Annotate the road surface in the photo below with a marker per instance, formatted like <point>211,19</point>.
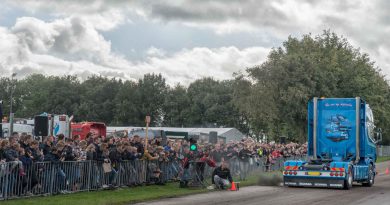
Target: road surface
<point>379,194</point>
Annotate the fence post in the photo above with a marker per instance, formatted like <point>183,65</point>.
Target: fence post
<point>53,178</point>
<point>89,175</point>
<point>6,176</point>
<point>144,170</point>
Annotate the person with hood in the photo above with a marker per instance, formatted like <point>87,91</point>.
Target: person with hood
<point>11,154</point>
<point>221,176</point>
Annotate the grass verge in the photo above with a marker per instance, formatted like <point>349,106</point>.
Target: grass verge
<point>383,159</point>
<point>109,197</point>
<point>118,196</point>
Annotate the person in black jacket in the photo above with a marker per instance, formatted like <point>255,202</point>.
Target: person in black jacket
<point>56,156</point>
<point>36,156</point>
<point>47,145</point>
<point>2,153</point>
<point>244,156</point>
<point>115,157</point>
<point>91,152</point>
<point>221,176</point>
<point>68,153</point>
<point>138,144</point>
<point>11,154</point>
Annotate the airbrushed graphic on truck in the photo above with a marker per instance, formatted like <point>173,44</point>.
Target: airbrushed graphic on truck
<point>337,128</point>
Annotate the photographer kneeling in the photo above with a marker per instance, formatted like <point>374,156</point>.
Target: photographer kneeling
<point>221,176</point>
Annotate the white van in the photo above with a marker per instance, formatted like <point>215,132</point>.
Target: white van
<point>20,128</point>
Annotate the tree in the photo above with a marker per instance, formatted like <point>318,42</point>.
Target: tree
<point>245,95</point>
<point>151,94</point>
<point>325,65</point>
<point>212,104</point>
<point>37,94</point>
<point>5,94</point>
<point>126,109</point>
<point>176,107</point>
<point>98,99</point>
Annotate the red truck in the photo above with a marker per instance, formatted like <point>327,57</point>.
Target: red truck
<point>83,128</point>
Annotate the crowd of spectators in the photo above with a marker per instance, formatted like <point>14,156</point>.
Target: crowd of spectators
<point>23,150</point>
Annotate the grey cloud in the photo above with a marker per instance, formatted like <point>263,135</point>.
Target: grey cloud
<point>333,20</point>
<point>44,53</point>
<point>365,23</point>
<point>33,33</point>
<point>382,10</point>
<point>59,7</point>
<point>85,74</point>
<point>71,39</point>
<point>25,70</point>
<point>113,74</point>
<point>69,36</point>
<point>185,12</point>
<point>259,13</point>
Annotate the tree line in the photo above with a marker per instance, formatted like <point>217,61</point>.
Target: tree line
<point>205,102</point>
<point>266,100</point>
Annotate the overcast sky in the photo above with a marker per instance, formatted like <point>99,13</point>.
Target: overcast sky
<point>182,39</point>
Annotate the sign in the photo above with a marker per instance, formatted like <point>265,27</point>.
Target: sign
<point>314,173</point>
<point>61,125</point>
<point>147,119</point>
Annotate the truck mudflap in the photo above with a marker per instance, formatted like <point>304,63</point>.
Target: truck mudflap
<point>313,182</point>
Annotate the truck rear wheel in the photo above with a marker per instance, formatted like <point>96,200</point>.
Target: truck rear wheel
<point>371,177</point>
<point>348,182</point>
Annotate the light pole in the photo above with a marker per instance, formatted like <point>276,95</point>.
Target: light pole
<point>11,114</point>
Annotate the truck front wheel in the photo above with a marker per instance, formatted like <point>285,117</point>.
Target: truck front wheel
<point>348,182</point>
<point>371,177</point>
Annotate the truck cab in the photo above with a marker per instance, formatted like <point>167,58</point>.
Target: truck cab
<point>83,128</point>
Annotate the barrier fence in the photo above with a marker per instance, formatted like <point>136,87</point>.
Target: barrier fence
<point>47,178</point>
<point>383,151</point>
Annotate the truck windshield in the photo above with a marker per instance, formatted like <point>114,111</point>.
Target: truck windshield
<point>370,123</point>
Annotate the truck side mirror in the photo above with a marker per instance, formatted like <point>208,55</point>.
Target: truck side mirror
<point>378,135</point>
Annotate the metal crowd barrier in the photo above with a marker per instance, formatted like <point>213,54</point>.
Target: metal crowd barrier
<point>46,178</point>
<point>383,151</point>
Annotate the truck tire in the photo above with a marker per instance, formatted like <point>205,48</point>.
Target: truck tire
<point>371,177</point>
<point>348,182</point>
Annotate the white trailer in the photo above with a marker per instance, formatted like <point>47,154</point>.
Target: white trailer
<point>19,128</point>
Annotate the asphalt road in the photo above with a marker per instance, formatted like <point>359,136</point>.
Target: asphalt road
<point>379,194</point>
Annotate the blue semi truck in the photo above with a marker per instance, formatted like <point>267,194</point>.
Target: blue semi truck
<point>341,146</point>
